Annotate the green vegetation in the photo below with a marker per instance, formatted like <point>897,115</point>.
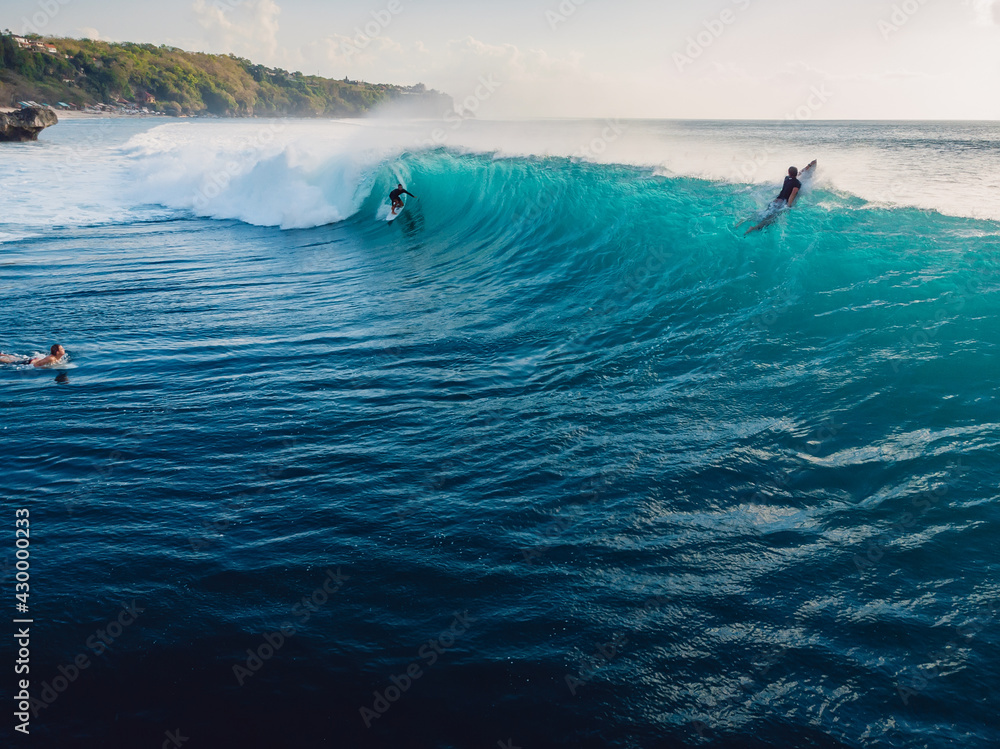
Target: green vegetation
<point>170,80</point>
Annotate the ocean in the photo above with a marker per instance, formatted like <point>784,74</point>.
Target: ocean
<point>558,458</point>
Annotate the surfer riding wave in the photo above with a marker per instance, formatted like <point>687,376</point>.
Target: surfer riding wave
<point>397,200</point>
<point>786,199</point>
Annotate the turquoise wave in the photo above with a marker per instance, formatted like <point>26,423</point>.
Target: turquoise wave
<point>604,240</point>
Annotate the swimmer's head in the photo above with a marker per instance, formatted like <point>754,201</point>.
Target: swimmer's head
<point>57,351</point>
<point>793,172</point>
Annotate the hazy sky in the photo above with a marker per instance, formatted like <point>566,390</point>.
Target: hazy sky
<point>825,59</point>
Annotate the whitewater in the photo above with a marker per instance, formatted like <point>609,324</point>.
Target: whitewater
<point>632,478</point>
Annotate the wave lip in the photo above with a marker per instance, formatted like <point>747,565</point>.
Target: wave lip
<point>300,174</point>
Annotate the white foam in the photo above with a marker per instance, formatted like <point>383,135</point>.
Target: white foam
<point>14,236</point>
<point>292,175</point>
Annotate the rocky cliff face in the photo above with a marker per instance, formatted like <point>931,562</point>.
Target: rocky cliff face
<point>25,124</point>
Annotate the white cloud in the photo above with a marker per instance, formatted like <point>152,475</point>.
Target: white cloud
<point>246,27</point>
<point>88,32</point>
<point>530,80</point>
<point>508,60</point>
<point>987,12</point>
<point>341,54</point>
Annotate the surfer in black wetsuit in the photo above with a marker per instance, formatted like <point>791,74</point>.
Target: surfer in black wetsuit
<point>396,197</point>
<point>787,197</point>
<point>790,190</point>
<point>56,353</point>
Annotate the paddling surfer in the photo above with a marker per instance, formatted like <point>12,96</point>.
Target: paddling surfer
<point>397,200</point>
<point>786,199</point>
<point>56,354</point>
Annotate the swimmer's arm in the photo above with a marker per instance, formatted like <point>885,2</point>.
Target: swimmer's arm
<point>793,196</point>
<point>44,361</point>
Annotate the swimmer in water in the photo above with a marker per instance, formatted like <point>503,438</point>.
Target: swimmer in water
<point>56,354</point>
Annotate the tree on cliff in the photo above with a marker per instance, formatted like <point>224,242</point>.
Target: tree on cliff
<point>88,71</point>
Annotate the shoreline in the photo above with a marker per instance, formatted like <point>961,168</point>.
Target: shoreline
<point>72,114</point>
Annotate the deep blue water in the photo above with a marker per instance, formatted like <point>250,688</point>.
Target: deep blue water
<point>639,481</point>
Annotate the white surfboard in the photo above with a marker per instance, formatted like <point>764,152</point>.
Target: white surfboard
<point>393,216</point>
<point>808,171</point>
